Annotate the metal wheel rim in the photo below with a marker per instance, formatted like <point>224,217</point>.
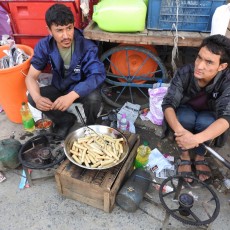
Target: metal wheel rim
<point>131,86</point>
<point>179,218</point>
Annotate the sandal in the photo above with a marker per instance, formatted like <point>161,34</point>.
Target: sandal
<point>203,172</point>
<point>184,173</point>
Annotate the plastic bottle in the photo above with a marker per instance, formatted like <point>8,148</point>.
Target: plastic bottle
<point>143,152</point>
<point>123,123</point>
<point>27,118</point>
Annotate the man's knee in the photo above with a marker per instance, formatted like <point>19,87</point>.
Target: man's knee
<point>187,122</point>
<point>204,120</point>
<point>94,98</point>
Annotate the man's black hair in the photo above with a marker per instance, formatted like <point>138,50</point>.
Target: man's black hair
<point>59,14</point>
<point>219,45</point>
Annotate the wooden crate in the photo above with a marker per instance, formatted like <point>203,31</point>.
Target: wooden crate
<point>97,188</point>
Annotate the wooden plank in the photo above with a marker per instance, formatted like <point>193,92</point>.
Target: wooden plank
<point>192,39</point>
<point>153,37</point>
<point>97,203</point>
<point>60,170</point>
<point>107,203</point>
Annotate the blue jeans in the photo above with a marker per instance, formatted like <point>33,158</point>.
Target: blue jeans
<point>195,122</point>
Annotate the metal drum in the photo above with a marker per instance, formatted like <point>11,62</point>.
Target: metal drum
<point>131,194</point>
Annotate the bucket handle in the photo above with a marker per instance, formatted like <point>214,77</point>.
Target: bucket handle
<point>23,73</point>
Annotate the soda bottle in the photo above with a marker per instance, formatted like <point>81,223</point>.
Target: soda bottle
<point>27,118</point>
<point>143,152</point>
<point>123,123</point>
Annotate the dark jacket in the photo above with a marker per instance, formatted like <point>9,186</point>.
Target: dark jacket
<point>85,73</point>
<point>184,87</point>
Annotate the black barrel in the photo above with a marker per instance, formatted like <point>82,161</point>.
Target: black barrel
<point>132,192</point>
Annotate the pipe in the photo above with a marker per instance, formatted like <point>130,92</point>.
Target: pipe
<point>218,156</point>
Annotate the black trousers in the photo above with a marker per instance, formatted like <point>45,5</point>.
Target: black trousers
<point>91,105</point>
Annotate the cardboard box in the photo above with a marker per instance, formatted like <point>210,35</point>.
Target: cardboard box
<point>97,188</point>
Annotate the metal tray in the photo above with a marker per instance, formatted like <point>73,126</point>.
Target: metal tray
<point>100,129</point>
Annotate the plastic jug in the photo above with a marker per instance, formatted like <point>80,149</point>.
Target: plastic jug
<point>120,15</point>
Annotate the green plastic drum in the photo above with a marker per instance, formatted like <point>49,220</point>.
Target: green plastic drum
<point>120,15</point>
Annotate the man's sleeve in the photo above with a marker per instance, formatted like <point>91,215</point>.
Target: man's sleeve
<point>40,57</point>
<point>174,93</point>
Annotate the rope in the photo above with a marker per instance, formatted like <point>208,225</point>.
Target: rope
<point>175,42</point>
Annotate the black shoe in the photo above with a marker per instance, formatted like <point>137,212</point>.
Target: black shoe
<point>62,129</point>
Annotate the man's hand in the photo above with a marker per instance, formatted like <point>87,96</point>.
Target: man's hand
<point>186,140</point>
<point>61,103</point>
<point>44,104</point>
<point>64,102</point>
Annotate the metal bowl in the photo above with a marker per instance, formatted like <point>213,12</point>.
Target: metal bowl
<point>44,125</point>
<point>99,129</point>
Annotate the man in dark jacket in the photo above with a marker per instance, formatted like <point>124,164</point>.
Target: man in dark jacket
<point>77,71</point>
<point>197,104</point>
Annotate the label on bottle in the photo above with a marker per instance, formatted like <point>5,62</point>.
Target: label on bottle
<point>138,164</point>
<point>28,124</point>
<point>123,124</point>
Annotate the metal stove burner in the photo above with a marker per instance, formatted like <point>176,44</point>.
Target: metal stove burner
<point>42,152</point>
<point>186,202</point>
<point>45,155</point>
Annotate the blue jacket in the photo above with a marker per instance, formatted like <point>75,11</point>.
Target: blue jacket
<point>86,72</point>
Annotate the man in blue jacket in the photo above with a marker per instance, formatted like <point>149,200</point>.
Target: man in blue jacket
<point>77,71</point>
<point>197,104</point>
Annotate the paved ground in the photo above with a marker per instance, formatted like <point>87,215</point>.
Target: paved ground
<point>42,207</point>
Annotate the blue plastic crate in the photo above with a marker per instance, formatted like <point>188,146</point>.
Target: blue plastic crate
<point>193,15</point>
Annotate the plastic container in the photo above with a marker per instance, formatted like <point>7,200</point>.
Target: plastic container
<point>142,157</point>
<point>120,15</point>
<point>12,85</point>
<point>27,118</point>
<point>128,63</point>
<point>44,125</point>
<point>123,123</point>
<point>195,15</point>
<point>28,18</point>
<point>9,149</point>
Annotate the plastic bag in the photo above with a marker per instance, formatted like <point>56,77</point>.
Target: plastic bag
<point>155,100</point>
<point>157,162</point>
<point>220,20</point>
<point>85,7</point>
